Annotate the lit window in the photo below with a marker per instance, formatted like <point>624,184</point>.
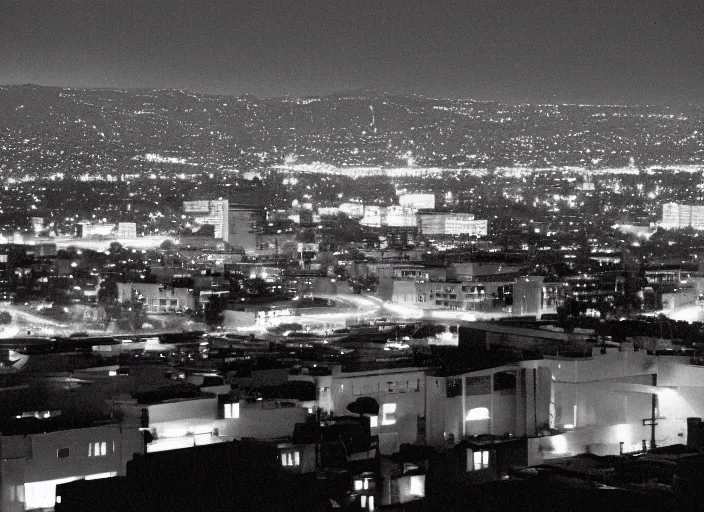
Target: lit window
<point>477,460</point>
<point>373,421</point>
<point>388,414</point>
<point>417,487</point>
<point>364,501</point>
<point>97,449</point>
<point>357,485</point>
<point>291,459</point>
<point>371,504</point>
<point>232,411</point>
<point>478,413</point>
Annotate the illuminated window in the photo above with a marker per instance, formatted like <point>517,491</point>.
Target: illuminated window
<point>232,411</point>
<point>364,501</point>
<point>62,453</point>
<point>357,485</point>
<point>478,413</point>
<point>370,504</point>
<point>292,459</point>
<point>477,459</point>
<point>373,421</point>
<point>97,449</point>
<point>417,487</point>
<point>388,414</point>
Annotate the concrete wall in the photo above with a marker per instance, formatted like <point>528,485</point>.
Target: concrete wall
<point>260,423</point>
<point>436,403</point>
<point>170,411</point>
<point>596,440</point>
<point>613,364</point>
<point>606,402</point>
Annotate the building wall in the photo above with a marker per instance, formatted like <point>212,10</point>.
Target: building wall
<point>528,296</point>
<point>243,222</point>
<point>171,411</point>
<point>677,216</point>
<point>679,299</point>
<point>401,217</point>
<point>263,423</point>
<point>406,292</point>
<point>405,389</point>
<point>213,213</point>
<point>431,224</point>
<point>602,440</point>
<point>436,423</point>
<point>126,230</point>
<point>31,465</point>
<point>419,201</point>
<point>478,404</point>
<point>465,224</point>
<point>374,216</point>
<point>613,364</point>
<point>353,210</point>
<point>681,398</point>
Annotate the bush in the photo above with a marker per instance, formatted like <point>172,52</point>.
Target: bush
<point>5,318</point>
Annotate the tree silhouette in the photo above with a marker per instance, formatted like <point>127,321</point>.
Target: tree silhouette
<point>364,405</point>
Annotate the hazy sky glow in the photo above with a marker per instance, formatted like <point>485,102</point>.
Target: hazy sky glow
<point>590,51</point>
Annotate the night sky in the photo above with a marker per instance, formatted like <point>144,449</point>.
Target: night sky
<point>586,51</point>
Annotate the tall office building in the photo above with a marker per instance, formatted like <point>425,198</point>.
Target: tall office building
<point>678,216</point>
<point>400,217</point>
<point>453,224</point>
<point>697,218</point>
<point>210,213</point>
<point>244,223</point>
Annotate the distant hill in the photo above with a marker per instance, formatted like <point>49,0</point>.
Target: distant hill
<point>46,130</point>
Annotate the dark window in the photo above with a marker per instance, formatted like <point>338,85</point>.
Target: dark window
<point>504,381</point>
<point>454,387</point>
<point>62,453</point>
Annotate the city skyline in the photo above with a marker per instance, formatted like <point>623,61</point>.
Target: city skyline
<point>351,255</point>
<point>596,52</point>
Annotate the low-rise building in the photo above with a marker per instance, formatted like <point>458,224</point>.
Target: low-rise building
<point>399,392</point>
<point>157,298</point>
<point>451,224</point>
<point>39,454</point>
